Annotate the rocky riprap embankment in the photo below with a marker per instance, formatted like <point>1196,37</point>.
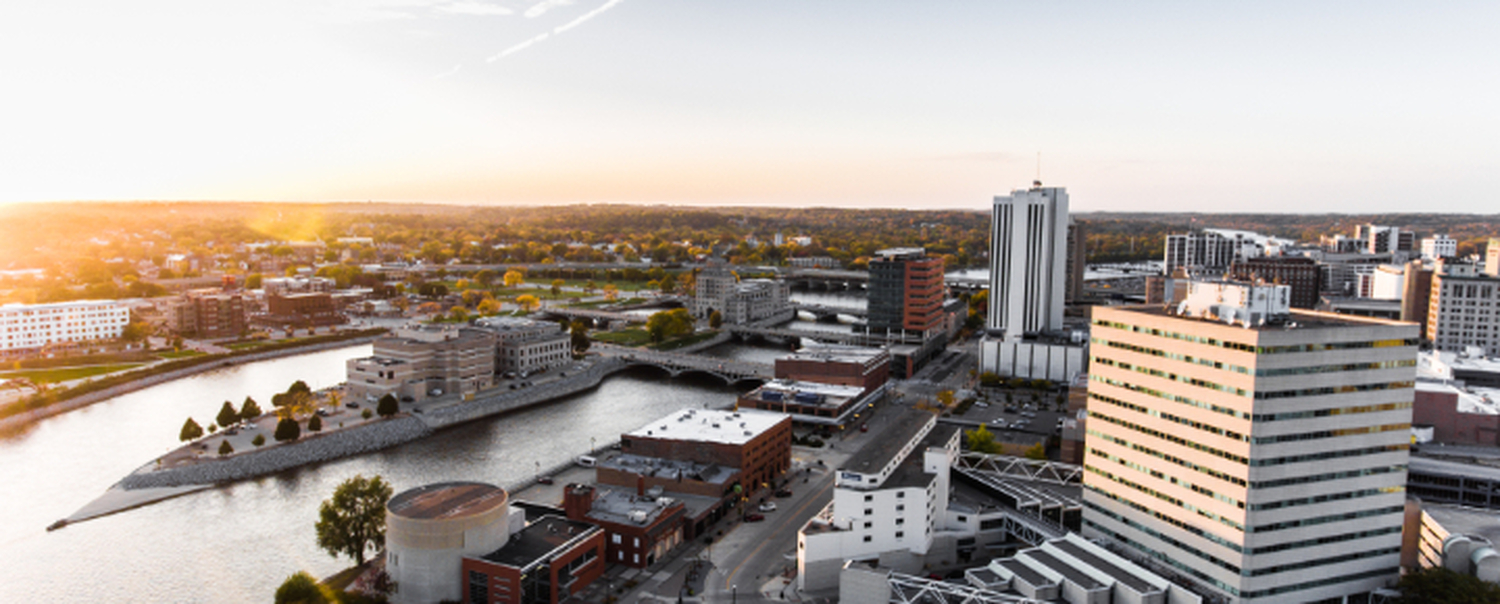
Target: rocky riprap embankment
<point>310,449</point>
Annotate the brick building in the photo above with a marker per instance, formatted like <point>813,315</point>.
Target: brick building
<point>638,528</point>
<point>1300,273</point>
<point>299,311</point>
<point>866,368</point>
<point>758,443</point>
<point>548,561</point>
<point>209,313</point>
<point>1457,416</point>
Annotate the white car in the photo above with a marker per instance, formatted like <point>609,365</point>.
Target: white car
<point>768,506</point>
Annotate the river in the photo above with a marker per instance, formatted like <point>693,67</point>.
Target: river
<point>238,543</point>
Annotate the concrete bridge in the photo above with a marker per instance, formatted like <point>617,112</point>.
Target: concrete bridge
<point>675,364</point>
<point>827,313</point>
<point>746,332</point>
<point>600,317</point>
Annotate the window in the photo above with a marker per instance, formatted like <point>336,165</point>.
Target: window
<point>900,521</point>
<point>868,538</point>
<point>900,508</point>
<point>869,524</point>
<point>869,511</point>
<point>900,494</point>
<point>869,498</point>
<point>900,534</point>
<point>637,541</point>
<point>616,538</point>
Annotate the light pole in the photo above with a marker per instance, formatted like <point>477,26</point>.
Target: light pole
<point>591,444</point>
<point>734,595</point>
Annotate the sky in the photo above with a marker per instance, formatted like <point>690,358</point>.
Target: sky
<point>1133,106</point>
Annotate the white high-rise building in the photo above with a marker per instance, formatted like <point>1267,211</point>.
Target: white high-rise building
<point>1028,255</point>
<point>28,328</point>
<point>1439,246</point>
<point>1028,275</point>
<point>1259,451</point>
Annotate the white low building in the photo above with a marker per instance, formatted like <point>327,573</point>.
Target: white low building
<point>28,328</point>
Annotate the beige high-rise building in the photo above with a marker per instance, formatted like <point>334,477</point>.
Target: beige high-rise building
<point>1256,450</point>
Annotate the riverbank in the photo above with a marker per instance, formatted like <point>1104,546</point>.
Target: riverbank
<point>195,366</point>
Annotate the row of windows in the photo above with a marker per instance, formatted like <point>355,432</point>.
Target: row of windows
<point>1172,479</point>
<point>1172,355</point>
<point>1316,347</point>
<point>1211,429</point>
<point>1169,396</point>
<point>1286,503</point>
<point>1272,417</point>
<point>1284,482</point>
<point>1192,381</point>
<point>1301,436</point>
<point>1276,461</point>
<point>1308,370</point>
<point>1167,498</point>
<point>1279,526</point>
<point>1234,545</point>
<point>1275,394</point>
<point>1170,438</point>
<point>1171,458</point>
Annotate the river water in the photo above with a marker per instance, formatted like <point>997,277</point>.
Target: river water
<point>238,543</point>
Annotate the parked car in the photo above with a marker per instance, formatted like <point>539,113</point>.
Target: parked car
<point>352,405</point>
<point>754,517</point>
<point>864,427</point>
<point>784,493</point>
<point>544,480</point>
<point>767,506</point>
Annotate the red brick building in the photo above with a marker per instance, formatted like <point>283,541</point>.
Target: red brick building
<point>638,529</point>
<point>1455,416</point>
<point>300,310</point>
<point>548,561</point>
<point>867,368</point>
<point>758,443</point>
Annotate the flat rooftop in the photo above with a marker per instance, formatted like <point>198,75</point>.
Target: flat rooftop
<point>619,505</point>
<point>911,473</point>
<point>898,432</point>
<point>539,540</point>
<point>447,500</point>
<point>1464,520</point>
<point>1428,465</point>
<point>835,353</point>
<point>674,469</point>
<point>1298,318</point>
<point>711,426</point>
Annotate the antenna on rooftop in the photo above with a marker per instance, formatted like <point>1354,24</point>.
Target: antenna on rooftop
<point>1038,182</point>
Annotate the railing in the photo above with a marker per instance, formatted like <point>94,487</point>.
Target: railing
<point>906,589</point>
<point>1021,468</point>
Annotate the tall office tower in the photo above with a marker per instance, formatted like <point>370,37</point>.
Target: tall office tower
<point>1258,450</point>
<point>1077,259</point>
<point>906,290</point>
<point>1463,308</point>
<point>1439,246</point>
<point>1028,254</point>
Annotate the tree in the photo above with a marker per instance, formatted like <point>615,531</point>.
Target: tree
<point>260,439</point>
<point>669,324</point>
<point>485,277</point>
<point>315,424</point>
<point>981,440</point>
<point>353,520</point>
<point>387,406</point>
<point>611,292</point>
<point>1439,585</point>
<point>557,285</point>
<point>528,302</point>
<point>1037,452</point>
<point>715,319</point>
<point>946,398</point>
<point>227,415</point>
<point>580,336</point>
<point>287,430</point>
<point>488,306</point>
<point>190,431</point>
<point>513,278</point>
<point>135,331</point>
<point>250,410</point>
<point>302,588</point>
<point>225,448</point>
<point>253,281</point>
<point>299,386</point>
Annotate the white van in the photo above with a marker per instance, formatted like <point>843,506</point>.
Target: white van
<point>587,461</point>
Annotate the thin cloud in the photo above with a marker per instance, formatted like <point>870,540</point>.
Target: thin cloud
<point>555,31</point>
<point>544,6</point>
<point>448,73</point>
<point>474,7</point>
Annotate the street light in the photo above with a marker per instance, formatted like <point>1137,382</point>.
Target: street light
<point>591,444</point>
<point>734,595</point>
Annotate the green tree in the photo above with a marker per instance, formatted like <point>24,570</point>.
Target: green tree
<point>715,319</point>
<point>287,430</point>
<point>250,410</point>
<point>579,333</point>
<point>353,520</point>
<point>299,386</point>
<point>302,588</point>
<point>485,277</point>
<point>557,285</point>
<point>1037,452</point>
<point>945,397</point>
<point>227,415</point>
<point>190,431</point>
<point>981,440</point>
<point>669,324</point>
<point>253,281</point>
<point>136,331</point>
<point>225,448</point>
<point>315,424</point>
<point>1439,585</point>
<point>260,439</point>
<point>387,406</point>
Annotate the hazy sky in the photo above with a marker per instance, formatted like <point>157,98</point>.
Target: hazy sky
<point>1214,106</point>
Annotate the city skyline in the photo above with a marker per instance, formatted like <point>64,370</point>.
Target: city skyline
<point>1156,107</point>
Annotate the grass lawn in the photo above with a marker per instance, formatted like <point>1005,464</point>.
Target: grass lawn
<point>53,376</point>
<point>180,354</point>
<point>633,336</point>
<point>254,344</point>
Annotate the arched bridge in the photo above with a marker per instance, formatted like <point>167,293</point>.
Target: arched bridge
<point>676,364</point>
